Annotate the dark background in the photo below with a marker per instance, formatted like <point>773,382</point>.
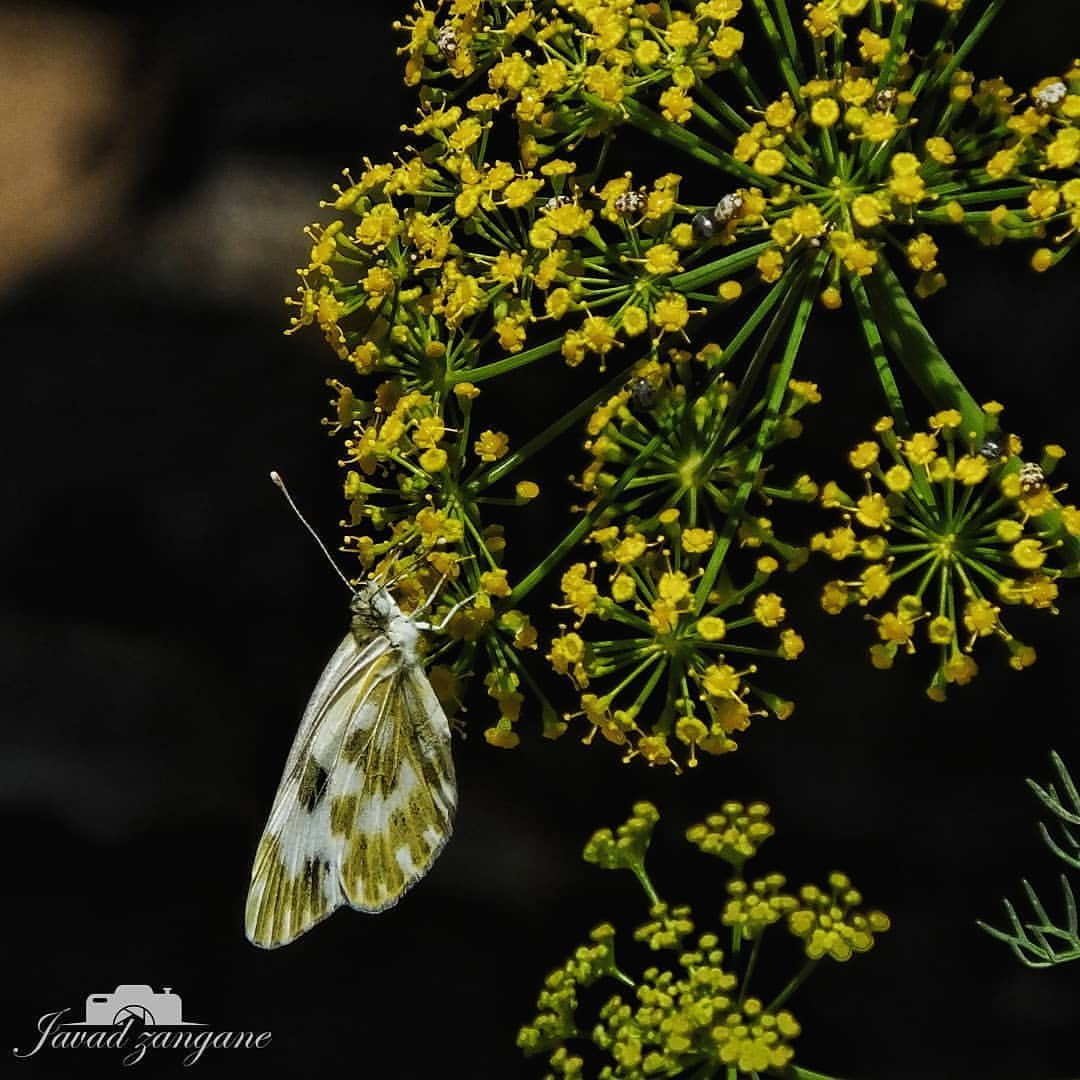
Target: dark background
<point>162,618</point>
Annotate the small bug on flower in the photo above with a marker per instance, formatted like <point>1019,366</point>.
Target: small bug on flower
<point>1032,478</point>
<point>704,225</point>
<point>728,208</point>
<point>446,41</point>
<point>629,202</point>
<point>990,449</point>
<point>816,241</point>
<point>556,201</point>
<point>1050,95</point>
<point>642,394</point>
<point>885,99</point>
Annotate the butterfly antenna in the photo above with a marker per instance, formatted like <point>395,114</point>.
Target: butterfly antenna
<point>276,478</point>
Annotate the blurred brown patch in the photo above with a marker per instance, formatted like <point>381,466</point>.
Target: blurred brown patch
<point>66,138</point>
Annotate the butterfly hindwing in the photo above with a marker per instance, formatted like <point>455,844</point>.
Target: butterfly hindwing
<point>367,798</point>
<point>393,794</point>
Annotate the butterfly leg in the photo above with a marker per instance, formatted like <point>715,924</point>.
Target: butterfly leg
<point>440,626</point>
<point>430,599</point>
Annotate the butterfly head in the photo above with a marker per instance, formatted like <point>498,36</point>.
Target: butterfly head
<point>375,612</point>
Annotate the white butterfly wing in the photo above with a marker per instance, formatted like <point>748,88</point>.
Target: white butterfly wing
<point>393,792</point>
<point>367,798</point>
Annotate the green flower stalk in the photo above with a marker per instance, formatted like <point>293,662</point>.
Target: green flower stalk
<point>500,246</point>
<point>690,1012</point>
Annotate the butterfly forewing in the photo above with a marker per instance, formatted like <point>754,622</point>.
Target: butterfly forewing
<point>368,794</point>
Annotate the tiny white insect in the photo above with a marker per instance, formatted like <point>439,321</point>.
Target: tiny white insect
<point>729,206</point>
<point>556,201</point>
<point>1050,95</point>
<point>366,802</point>
<point>446,41</point>
<point>885,99</point>
<point>1032,477</point>
<point>629,202</point>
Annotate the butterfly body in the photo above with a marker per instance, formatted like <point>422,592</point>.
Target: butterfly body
<point>368,795</point>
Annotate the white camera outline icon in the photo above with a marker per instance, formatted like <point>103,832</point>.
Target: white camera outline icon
<point>135,1002</point>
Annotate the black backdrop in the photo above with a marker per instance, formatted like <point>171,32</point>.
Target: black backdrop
<point>162,621</point>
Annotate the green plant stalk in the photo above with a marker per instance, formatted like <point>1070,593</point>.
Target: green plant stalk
<point>897,40</point>
<point>912,345</point>
<point>768,422</point>
<point>578,532</point>
<point>553,431</point>
<point>783,58</point>
<point>748,327</point>
<point>888,383</point>
<point>800,977</point>
<point>655,125</point>
<point>968,43</point>
<point>646,884</point>
<point>718,268</point>
<point>501,367</point>
<point>876,346</point>
<point>788,287</point>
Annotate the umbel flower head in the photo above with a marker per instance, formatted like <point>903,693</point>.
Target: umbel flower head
<point>502,247</point>
<point>868,145</point>
<point>950,532</point>
<point>454,257</point>
<point>664,647</point>
<point>661,662</point>
<point>690,1011</point>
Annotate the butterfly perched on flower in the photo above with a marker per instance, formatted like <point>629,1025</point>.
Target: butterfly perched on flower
<point>367,799</point>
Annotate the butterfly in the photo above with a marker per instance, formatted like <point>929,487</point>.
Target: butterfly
<point>367,799</point>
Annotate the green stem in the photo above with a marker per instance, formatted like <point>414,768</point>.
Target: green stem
<point>646,884</point>
<point>877,353</point>
<point>501,367</point>
<point>718,268</point>
<point>538,442</point>
<point>912,344</point>
<point>897,39</point>
<point>792,986</point>
<point>745,331</point>
<point>969,43</point>
<point>744,982</point>
<point>655,125</point>
<point>768,422</point>
<point>783,58</point>
<point>788,287</point>
<point>578,532</point>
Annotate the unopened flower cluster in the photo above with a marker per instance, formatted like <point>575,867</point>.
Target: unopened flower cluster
<point>691,1006</point>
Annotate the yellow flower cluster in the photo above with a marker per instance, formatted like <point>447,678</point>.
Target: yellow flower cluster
<point>626,847</point>
<point>694,475</point>
<point>464,260</point>
<point>695,1011</point>
<point>831,923</point>
<point>565,70</point>
<point>950,531</point>
<point>683,669</point>
<point>873,143</point>
<point>734,834</point>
